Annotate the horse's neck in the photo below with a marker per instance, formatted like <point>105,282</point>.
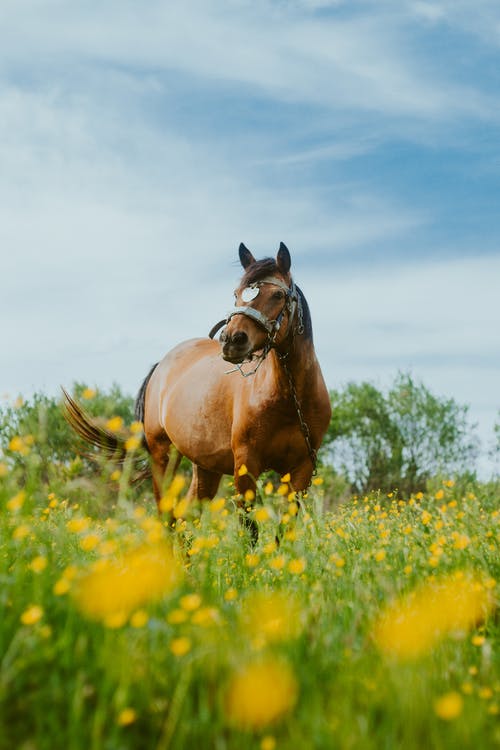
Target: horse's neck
<point>299,365</point>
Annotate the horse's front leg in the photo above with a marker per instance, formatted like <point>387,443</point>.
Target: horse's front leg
<point>204,484</point>
<point>300,477</point>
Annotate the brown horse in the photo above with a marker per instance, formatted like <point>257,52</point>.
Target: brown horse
<point>269,411</point>
<point>274,418</point>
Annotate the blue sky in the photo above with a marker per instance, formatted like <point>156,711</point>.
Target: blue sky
<point>141,142</point>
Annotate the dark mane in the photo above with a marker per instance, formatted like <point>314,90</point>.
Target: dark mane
<point>267,267</point>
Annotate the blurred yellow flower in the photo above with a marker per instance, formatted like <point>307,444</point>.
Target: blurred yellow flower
<point>114,424</point>
<point>126,716</point>
<point>139,618</point>
<point>317,481</point>
<point>4,469</point>
<point>190,602</point>
<point>115,586</point>
<point>132,443</point>
<point>21,531</point>
<point>286,478</point>
<point>262,514</point>
<point>297,566</point>
<point>38,564</point>
<point>242,470</point>
<point>412,625</point>
<point>89,542</point>
<point>18,445</point>
<point>449,706</point>
<point>16,503</point>
<point>76,525</point>
<point>32,615</point>
<point>260,693</point>
<point>439,495</point>
<point>136,428</point>
<point>271,616</point>
<point>61,586</point>
<point>180,646</point>
<point>88,393</point>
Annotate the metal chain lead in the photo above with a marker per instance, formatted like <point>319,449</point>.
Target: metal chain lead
<point>313,454</point>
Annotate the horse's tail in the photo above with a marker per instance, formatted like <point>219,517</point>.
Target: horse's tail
<point>111,444</point>
<point>141,399</point>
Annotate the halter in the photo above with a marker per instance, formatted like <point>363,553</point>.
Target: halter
<point>272,327</point>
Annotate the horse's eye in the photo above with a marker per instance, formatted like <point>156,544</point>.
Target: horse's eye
<point>278,295</point>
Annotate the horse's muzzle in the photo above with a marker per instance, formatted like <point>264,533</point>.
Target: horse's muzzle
<point>236,348</point>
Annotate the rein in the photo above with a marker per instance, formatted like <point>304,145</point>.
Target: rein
<point>293,306</point>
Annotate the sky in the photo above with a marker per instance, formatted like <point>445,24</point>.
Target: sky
<point>140,143</point>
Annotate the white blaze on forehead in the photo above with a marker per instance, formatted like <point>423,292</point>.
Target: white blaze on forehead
<point>249,293</point>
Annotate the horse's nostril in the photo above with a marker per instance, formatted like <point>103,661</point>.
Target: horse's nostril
<point>239,338</point>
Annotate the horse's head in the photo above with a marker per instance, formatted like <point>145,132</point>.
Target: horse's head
<point>266,300</point>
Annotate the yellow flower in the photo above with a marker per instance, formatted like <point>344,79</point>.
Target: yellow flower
<point>114,424</point>
<point>242,470</point>
<point>271,616</point>
<point>262,514</point>
<point>278,563</point>
<point>115,620</point>
<point>297,566</point>
<point>139,618</point>
<point>16,503</point>
<point>249,496</point>
<point>286,478</point>
<point>89,542</point>
<point>217,505</point>
<point>32,615</point>
<point>251,560</point>
<point>61,587</point>
<point>449,706</point>
<point>18,445</point>
<point>177,616</point>
<point>115,475</point>
<point>76,525</point>
<point>4,469</point>
<point>260,693</point>
<point>126,716</point>
<point>414,624</point>
<point>478,640</point>
<point>136,428</point>
<point>426,517</point>
<point>180,646</point>
<point>116,586</point>
<point>269,488</point>
<point>88,393</point>
<point>21,531</point>
<point>317,481</point>
<point>132,443</point>
<point>380,555</point>
<point>230,595</point>
<point>190,602</point>
<point>439,495</point>
<point>38,564</point>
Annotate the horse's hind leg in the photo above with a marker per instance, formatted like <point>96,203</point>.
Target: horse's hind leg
<point>204,484</point>
<point>162,453</point>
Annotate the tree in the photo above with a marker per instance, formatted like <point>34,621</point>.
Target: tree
<point>398,439</point>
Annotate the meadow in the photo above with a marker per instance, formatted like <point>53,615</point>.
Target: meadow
<point>372,623</point>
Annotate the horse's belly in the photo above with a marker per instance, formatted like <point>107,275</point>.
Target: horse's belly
<point>194,408</point>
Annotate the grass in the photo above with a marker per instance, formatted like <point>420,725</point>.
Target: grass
<point>372,625</point>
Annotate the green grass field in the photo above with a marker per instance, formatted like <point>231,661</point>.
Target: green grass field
<point>371,625</point>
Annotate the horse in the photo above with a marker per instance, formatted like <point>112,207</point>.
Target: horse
<point>269,411</point>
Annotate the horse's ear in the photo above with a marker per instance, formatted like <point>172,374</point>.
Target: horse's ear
<point>246,256</point>
<point>283,259</point>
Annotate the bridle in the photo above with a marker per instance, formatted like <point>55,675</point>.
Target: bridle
<point>293,307</point>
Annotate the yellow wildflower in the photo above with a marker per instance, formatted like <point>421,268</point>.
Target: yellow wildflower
<point>297,566</point>
<point>88,393</point>
<point>180,646</point>
<point>16,503</point>
<point>411,626</point>
<point>190,602</point>
<point>32,615</point>
<point>114,424</point>
<point>139,618</point>
<point>132,443</point>
<point>126,716</point>
<point>271,616</point>
<point>89,542</point>
<point>38,564</point>
<point>260,693</point>
<point>112,586</point>
<point>449,706</point>
<point>242,470</point>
